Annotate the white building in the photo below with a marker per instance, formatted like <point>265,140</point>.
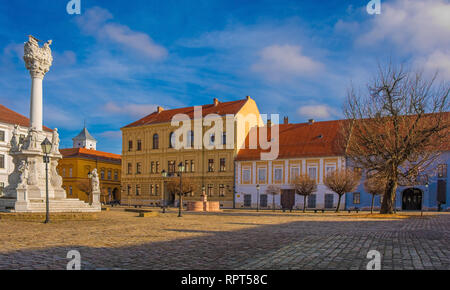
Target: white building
<point>8,119</point>
<point>307,148</point>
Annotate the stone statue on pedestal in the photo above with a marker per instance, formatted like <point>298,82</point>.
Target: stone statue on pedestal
<point>95,185</point>
<point>55,141</point>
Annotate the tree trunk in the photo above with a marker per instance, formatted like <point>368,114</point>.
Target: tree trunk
<point>371,207</point>
<point>387,206</point>
<point>339,203</point>
<point>304,203</point>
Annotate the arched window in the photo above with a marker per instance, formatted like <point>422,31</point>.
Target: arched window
<point>155,141</point>
<point>190,139</point>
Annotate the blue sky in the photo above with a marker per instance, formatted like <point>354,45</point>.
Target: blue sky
<point>118,60</point>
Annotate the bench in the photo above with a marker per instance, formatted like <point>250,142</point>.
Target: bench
<point>354,209</point>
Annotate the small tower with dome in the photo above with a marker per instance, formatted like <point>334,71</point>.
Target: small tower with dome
<point>84,140</point>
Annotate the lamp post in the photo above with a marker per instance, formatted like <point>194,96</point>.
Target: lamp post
<point>180,173</point>
<point>421,207</point>
<point>257,197</point>
<point>46,148</point>
<point>164,175</point>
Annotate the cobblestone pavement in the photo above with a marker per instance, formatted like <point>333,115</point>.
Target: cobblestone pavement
<point>228,240</point>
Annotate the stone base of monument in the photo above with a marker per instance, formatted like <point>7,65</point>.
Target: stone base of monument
<point>67,205</point>
<point>205,206</point>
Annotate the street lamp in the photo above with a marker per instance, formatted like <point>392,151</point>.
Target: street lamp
<point>421,208</point>
<point>180,172</point>
<point>257,197</point>
<point>164,175</point>
<point>46,148</point>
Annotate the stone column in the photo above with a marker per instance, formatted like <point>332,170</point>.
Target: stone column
<point>38,61</point>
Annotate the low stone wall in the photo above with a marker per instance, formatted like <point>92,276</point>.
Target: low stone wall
<point>53,216</point>
<point>208,206</point>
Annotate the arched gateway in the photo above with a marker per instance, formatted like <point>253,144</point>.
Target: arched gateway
<point>412,199</point>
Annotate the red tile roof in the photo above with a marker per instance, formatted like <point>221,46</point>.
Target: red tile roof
<point>89,153</point>
<point>10,117</point>
<point>221,109</point>
<point>302,140</point>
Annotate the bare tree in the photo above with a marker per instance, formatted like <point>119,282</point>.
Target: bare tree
<point>398,128</point>
<point>374,185</point>
<point>305,186</point>
<point>273,190</point>
<point>342,181</point>
<point>84,185</point>
<point>188,187</point>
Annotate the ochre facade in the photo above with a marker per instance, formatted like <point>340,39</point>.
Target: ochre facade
<point>147,152</point>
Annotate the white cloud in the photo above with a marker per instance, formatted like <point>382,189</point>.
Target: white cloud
<point>133,110</point>
<point>95,22</point>
<point>437,61</point>
<point>317,112</point>
<point>412,25</point>
<point>111,134</point>
<point>280,61</point>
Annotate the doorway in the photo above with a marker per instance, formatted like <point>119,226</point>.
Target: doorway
<point>412,199</point>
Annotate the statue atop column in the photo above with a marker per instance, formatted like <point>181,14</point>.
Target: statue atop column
<point>38,60</point>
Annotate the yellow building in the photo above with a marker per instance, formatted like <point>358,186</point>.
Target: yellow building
<point>150,146</point>
<point>77,163</point>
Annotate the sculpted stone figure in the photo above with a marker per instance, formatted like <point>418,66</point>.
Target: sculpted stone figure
<point>55,141</point>
<point>23,173</point>
<point>95,181</point>
<point>31,140</point>
<point>14,140</point>
<point>55,179</point>
<point>37,59</point>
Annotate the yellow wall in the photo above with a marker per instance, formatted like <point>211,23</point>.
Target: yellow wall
<point>80,168</point>
<point>201,176</point>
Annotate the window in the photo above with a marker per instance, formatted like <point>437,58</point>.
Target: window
<point>139,145</point>
<point>70,172</point>
<point>109,174</point>
<point>356,198</point>
<point>224,138</point>
<point>171,140</point>
<point>155,141</point>
<point>312,173</point>
<point>246,175</point>
<point>130,145</point>
<point>116,175</point>
<point>129,189</point>
<point>222,164</point>
<point>130,168</point>
<point>192,166</point>
<point>138,189</point>
<point>329,200</point>
<point>102,173</point>
<point>70,190</point>
<point>152,167</point>
<point>312,201</point>
<point>442,170</point>
<point>262,173</point>
<point>210,165</point>
<point>210,191</point>
<point>295,172</point>
<point>171,166</point>
<point>329,169</point>
<point>263,200</point>
<point>157,189</point>
<point>138,167</point>
<point>151,189</point>
<point>64,172</point>
<point>186,166</point>
<point>2,136</point>
<point>2,161</point>
<point>221,190</point>
<point>212,139</point>
<point>157,167</point>
<point>247,200</point>
<point>278,175</point>
<point>190,139</point>
<point>2,187</point>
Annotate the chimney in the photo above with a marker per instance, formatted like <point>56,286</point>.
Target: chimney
<point>311,121</point>
<point>216,102</point>
<point>248,98</point>
<point>269,123</point>
<point>159,109</point>
<point>286,120</point>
